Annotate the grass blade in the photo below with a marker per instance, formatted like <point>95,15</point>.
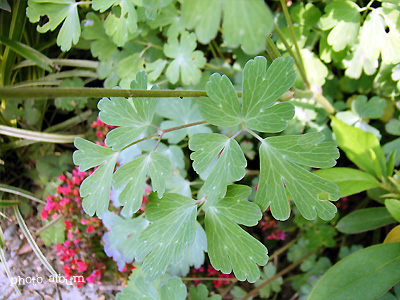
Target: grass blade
<point>8,272</point>
<point>28,52</point>
<point>32,242</point>
<point>20,192</point>
<point>37,136</point>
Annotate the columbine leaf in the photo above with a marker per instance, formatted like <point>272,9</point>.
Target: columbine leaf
<point>374,40</point>
<point>132,115</point>
<point>229,246</point>
<point>95,189</point>
<point>121,241</point>
<point>281,159</point>
<point>57,11</point>
<point>187,62</point>
<point>343,17</point>
<point>374,108</point>
<point>204,16</point>
<point>356,62</point>
<point>131,177</point>
<point>246,22</point>
<point>194,255</point>
<point>393,127</point>
<point>180,112</point>
<point>121,21</point>
<point>101,44</point>
<point>172,231</point>
<point>138,289</point>
<point>230,166</point>
<point>261,88</point>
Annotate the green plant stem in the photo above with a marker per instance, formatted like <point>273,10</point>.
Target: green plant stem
<point>284,248</point>
<point>254,134</point>
<point>70,122</point>
<point>79,63</point>
<point>40,93</point>
<point>291,29</point>
<point>365,9</point>
<point>165,131</point>
<point>292,54</point>
<point>216,68</point>
<point>289,268</point>
<point>208,278</point>
<point>20,192</point>
<point>272,50</point>
<point>48,225</point>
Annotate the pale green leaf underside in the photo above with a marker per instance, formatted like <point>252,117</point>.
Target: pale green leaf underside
<point>343,17</point>
<point>261,89</point>
<point>186,61</point>
<point>95,197</point>
<point>172,231</point>
<point>139,288</point>
<point>131,115</point>
<point>281,159</point>
<point>230,166</point>
<point>131,179</point>
<point>232,248</point>
<point>373,108</point>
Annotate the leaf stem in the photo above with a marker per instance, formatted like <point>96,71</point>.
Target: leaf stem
<point>255,135</point>
<point>292,54</point>
<point>271,48</point>
<point>237,133</point>
<point>296,46</point>
<point>208,278</point>
<point>162,131</point>
<point>276,276</point>
<point>40,93</point>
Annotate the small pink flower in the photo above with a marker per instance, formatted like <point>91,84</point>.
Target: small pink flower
<point>90,229</point>
<point>44,215</point>
<point>68,224</point>
<point>82,266</point>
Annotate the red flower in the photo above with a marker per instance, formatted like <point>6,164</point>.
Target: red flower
<point>90,229</point>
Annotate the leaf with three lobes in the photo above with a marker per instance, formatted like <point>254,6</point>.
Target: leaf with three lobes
<point>95,189</point>
<point>373,108</point>
<point>121,241</point>
<point>229,246</point>
<point>261,88</point>
<point>180,112</point>
<point>230,166</point>
<point>101,44</point>
<point>121,21</point>
<point>131,178</point>
<point>132,115</point>
<point>57,11</point>
<point>186,61</point>
<point>171,232</point>
<point>343,17</point>
<point>138,289</point>
<point>281,161</point>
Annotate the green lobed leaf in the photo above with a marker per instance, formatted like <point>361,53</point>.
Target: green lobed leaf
<point>376,267</point>
<point>373,108</point>
<point>393,127</point>
<point>171,232</point>
<point>131,178</point>
<point>246,23</point>
<point>375,41</point>
<point>138,289</point>
<point>357,144</point>
<point>230,166</point>
<point>89,155</point>
<point>186,61</point>
<point>281,161</point>
<point>350,181</point>
<point>204,16</point>
<point>261,88</point>
<point>57,11</point>
<point>356,62</point>
<point>101,44</point>
<point>229,246</point>
<point>121,22</point>
<point>200,292</point>
<point>355,222</point>
<point>343,17</point>
<point>132,116</point>
<point>121,241</point>
<point>194,255</point>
